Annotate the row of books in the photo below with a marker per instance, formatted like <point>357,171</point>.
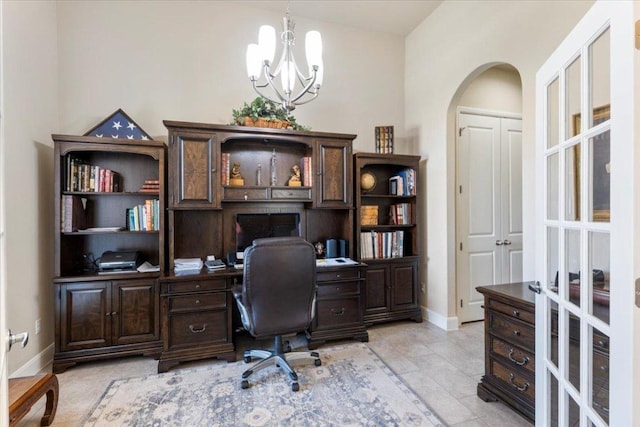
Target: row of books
<point>73,215</point>
<point>384,139</point>
<point>144,217</point>
<point>307,171</point>
<point>404,183</point>
<point>225,168</point>
<point>150,186</point>
<point>400,214</point>
<point>82,176</point>
<point>381,244</point>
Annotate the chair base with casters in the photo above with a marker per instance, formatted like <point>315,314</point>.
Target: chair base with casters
<point>279,358</point>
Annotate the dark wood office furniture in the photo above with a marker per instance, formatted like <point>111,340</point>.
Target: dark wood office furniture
<point>339,306</point>
<point>509,347</point>
<point>201,221</point>
<point>99,315</point>
<point>392,289</point>
<point>197,319</point>
<point>24,392</point>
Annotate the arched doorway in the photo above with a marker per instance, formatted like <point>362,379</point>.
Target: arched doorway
<point>488,141</point>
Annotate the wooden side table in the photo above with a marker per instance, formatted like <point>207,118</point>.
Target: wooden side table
<point>26,391</point>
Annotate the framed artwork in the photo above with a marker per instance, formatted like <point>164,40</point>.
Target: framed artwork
<point>601,152</point>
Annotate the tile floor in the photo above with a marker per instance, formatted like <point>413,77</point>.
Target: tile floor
<point>443,368</point>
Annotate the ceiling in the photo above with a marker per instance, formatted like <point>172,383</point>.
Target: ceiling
<point>397,17</point>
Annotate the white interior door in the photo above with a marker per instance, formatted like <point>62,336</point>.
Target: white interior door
<point>489,207</point>
<point>584,146</point>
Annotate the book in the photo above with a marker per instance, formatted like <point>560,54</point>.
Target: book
<point>73,213</point>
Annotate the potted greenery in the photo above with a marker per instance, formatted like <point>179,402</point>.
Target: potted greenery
<point>263,112</point>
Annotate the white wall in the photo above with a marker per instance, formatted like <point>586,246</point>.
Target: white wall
<point>186,61</point>
<point>497,89</point>
<point>449,49</point>
<point>30,114</point>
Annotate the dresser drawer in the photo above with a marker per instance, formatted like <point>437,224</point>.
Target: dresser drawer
<point>196,286</point>
<point>198,302</point>
<point>520,385</point>
<point>346,274</point>
<point>241,193</point>
<point>291,193</point>
<point>338,288</point>
<point>512,331</point>
<point>337,312</point>
<point>511,311</point>
<point>192,329</point>
<point>516,355</point>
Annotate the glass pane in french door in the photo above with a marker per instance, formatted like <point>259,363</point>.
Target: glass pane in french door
<point>577,251</point>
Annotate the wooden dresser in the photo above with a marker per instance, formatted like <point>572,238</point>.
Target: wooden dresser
<point>509,347</point>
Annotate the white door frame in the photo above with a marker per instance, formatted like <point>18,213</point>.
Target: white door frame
<point>625,211</point>
<point>4,400</point>
<point>473,308</point>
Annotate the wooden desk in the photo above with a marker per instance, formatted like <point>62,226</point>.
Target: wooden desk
<point>197,312</point>
<point>26,391</point>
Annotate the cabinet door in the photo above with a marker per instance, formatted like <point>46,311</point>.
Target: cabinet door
<point>135,314</point>
<point>376,293</point>
<point>404,285</point>
<point>195,181</point>
<point>332,184</point>
<point>85,315</point>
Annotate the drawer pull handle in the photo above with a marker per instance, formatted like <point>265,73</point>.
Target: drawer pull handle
<point>516,386</point>
<point>602,344</point>
<point>246,196</point>
<point>197,286</point>
<point>337,288</point>
<point>338,276</point>
<point>524,361</point>
<point>516,333</point>
<point>197,331</point>
<point>516,313</point>
<point>197,301</point>
<point>338,312</point>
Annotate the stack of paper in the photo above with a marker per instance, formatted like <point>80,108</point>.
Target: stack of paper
<point>187,265</point>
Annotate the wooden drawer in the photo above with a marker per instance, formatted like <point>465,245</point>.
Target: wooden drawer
<point>511,311</point>
<point>516,355</point>
<point>512,331</point>
<point>291,193</point>
<point>337,312</point>
<point>346,274</point>
<point>601,342</point>
<point>198,302</point>
<point>196,286</point>
<point>192,329</point>
<point>242,194</point>
<point>338,288</point>
<point>520,385</point>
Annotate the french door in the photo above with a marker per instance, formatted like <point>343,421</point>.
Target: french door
<point>584,255</point>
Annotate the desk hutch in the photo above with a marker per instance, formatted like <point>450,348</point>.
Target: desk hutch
<point>177,318</point>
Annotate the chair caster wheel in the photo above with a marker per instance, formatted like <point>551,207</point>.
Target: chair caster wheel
<point>317,362</point>
<point>247,359</point>
<point>295,387</point>
<point>244,384</point>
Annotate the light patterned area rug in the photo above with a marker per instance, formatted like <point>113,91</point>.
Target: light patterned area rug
<point>353,387</point>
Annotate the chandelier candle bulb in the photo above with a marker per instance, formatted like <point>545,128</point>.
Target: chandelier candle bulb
<point>254,67</point>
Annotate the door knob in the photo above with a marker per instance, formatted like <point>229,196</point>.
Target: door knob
<point>22,338</point>
<point>507,242</point>
<point>499,242</point>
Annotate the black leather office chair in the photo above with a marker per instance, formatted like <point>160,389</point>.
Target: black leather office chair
<point>277,297</point>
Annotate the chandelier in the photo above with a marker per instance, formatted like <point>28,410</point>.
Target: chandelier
<point>260,61</point>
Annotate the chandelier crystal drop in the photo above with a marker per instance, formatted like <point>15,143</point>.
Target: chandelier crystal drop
<point>260,62</point>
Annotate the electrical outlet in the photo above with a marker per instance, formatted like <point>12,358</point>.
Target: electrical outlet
<point>37,326</point>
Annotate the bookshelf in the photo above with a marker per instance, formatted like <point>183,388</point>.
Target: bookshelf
<point>101,315</point>
<point>387,234</point>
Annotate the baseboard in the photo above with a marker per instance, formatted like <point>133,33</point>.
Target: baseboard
<point>39,363</point>
<point>446,323</point>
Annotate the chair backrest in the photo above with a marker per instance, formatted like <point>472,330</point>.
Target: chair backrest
<point>279,285</point>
